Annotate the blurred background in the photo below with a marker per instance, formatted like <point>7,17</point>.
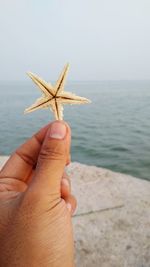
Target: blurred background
<point>107,44</point>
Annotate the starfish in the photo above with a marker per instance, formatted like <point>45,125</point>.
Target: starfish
<point>54,96</point>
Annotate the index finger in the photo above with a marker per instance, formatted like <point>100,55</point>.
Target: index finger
<point>22,161</point>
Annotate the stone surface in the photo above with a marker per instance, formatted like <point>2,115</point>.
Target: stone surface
<point>112,222</point>
<point>3,160</point>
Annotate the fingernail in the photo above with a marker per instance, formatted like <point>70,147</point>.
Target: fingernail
<point>58,130</point>
<point>65,182</point>
<point>68,205</point>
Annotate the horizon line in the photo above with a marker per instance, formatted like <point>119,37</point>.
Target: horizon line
<point>101,80</point>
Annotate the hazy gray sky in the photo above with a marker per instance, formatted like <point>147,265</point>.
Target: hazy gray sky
<point>101,39</point>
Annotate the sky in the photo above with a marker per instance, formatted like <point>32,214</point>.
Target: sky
<point>101,39</point>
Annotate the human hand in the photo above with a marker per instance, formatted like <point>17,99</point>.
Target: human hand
<point>36,203</point>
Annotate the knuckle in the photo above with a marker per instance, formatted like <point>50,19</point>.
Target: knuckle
<point>25,157</point>
<point>52,153</point>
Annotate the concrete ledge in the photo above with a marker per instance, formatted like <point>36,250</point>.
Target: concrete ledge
<point>112,222</point>
<point>3,159</point>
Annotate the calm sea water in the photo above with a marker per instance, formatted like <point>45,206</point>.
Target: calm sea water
<point>112,132</point>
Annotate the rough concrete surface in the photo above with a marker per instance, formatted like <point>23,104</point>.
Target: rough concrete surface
<point>112,222</point>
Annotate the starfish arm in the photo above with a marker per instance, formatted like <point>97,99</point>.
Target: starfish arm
<point>69,98</point>
<point>60,108</point>
<point>39,104</point>
<point>45,87</point>
<point>57,109</point>
<point>59,87</point>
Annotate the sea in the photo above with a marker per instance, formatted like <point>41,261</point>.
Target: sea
<point>112,132</point>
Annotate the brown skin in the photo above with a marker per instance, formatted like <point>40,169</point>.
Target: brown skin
<point>35,219</point>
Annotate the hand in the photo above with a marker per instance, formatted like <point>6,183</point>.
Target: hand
<point>36,203</point>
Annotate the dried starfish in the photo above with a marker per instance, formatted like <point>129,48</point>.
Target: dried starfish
<point>54,96</point>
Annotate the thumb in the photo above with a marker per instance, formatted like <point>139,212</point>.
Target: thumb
<point>52,160</point>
